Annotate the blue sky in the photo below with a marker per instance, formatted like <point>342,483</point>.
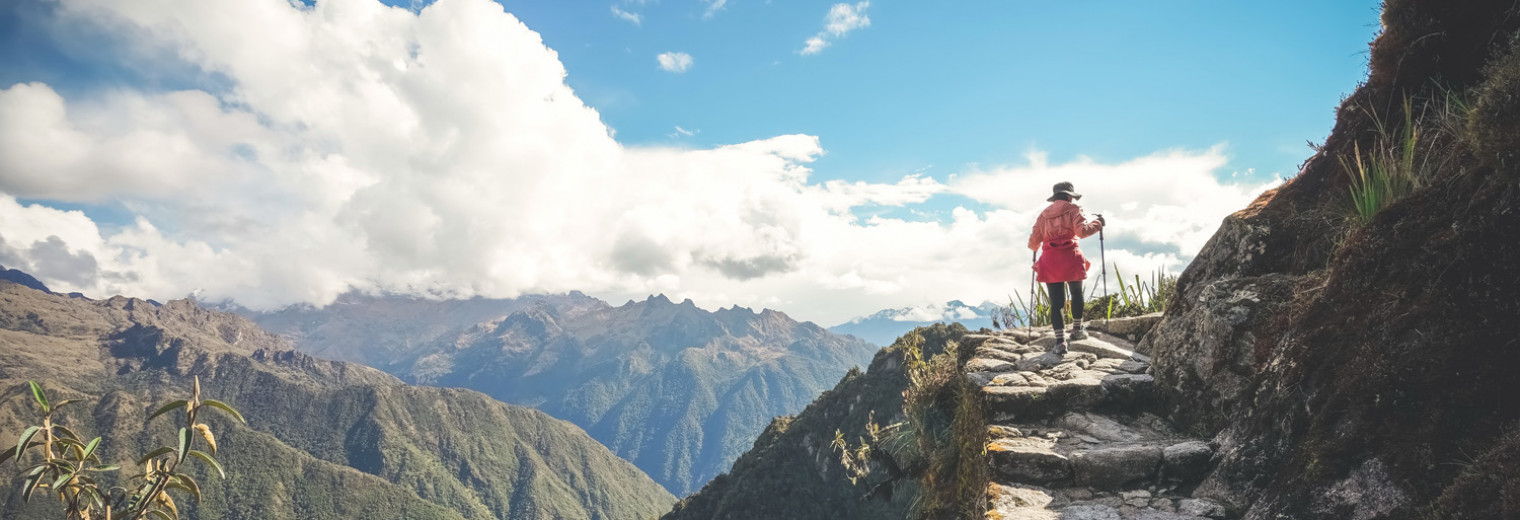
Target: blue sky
<point>929,87</point>
<point>441,149</point>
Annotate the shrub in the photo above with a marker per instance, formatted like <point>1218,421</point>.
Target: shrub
<point>1493,126</point>
<point>65,465</point>
<point>941,441</point>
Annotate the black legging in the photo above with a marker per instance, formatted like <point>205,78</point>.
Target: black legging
<point>1058,302</point>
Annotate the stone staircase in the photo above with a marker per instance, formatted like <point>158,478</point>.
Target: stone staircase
<point>1074,437</point>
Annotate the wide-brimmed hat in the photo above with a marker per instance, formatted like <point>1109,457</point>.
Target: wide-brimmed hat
<point>1064,187</point>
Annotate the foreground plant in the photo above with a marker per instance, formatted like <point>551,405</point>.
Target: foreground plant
<point>940,443</point>
<point>71,469</point>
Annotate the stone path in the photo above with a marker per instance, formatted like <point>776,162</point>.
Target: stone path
<point>1074,438</point>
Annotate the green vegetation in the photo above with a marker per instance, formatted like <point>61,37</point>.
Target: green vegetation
<point>1492,125</point>
<point>793,471</point>
<point>1135,297</point>
<point>940,442</point>
<point>679,391</point>
<point>68,466</point>
<point>326,440</point>
<point>1404,158</point>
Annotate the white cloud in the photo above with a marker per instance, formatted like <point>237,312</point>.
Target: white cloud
<point>441,153</point>
<point>713,6</point>
<point>682,132</point>
<point>676,62</point>
<point>631,17</point>
<point>841,20</point>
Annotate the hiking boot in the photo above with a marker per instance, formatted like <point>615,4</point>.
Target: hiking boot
<point>1078,331</point>
<point>1059,348</point>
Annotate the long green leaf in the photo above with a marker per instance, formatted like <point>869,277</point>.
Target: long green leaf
<point>90,450</point>
<point>184,443</point>
<point>33,479</point>
<point>105,468</point>
<point>160,514</point>
<point>26,437</point>
<point>189,485</point>
<point>224,407</point>
<point>154,454</point>
<point>166,408</point>
<point>62,479</point>
<point>39,396</point>
<point>210,462</point>
<point>63,431</point>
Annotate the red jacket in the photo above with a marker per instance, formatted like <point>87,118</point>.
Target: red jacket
<point>1056,232</point>
<point>1062,220</point>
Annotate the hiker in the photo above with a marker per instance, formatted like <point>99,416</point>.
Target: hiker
<point>1061,266</point>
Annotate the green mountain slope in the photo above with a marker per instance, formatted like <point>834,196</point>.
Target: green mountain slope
<point>792,472</point>
<point>679,391</point>
<point>325,439</point>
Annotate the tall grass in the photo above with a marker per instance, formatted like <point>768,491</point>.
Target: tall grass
<point>1135,297</point>
<point>1404,158</point>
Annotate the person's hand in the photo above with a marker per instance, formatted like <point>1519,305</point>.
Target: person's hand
<point>1101,222</point>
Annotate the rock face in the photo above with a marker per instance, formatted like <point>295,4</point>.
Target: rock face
<point>679,391</point>
<point>325,439</point>
<point>1350,369</point>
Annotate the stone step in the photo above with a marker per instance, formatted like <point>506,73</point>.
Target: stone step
<point>1021,397</point>
<point>1096,451</point>
<point>1024,502</point>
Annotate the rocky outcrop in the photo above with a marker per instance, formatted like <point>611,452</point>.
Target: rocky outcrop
<point>1349,368</point>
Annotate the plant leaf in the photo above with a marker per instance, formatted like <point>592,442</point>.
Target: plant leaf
<point>167,408</point>
<point>189,485</point>
<point>39,396</point>
<point>105,468</point>
<point>225,408</point>
<point>184,444</point>
<point>33,479</point>
<point>90,450</point>
<point>210,462</point>
<point>154,454</point>
<point>64,402</point>
<point>64,431</point>
<point>26,437</point>
<point>160,515</point>
<point>62,479</point>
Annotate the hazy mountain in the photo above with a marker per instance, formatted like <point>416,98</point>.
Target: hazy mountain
<point>885,326</point>
<point>793,458</point>
<point>325,440</point>
<point>679,391</point>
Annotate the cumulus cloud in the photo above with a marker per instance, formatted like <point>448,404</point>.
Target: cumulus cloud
<point>676,62</point>
<point>440,152</point>
<point>841,20</point>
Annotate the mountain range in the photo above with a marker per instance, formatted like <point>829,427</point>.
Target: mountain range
<point>324,439</point>
<point>885,326</point>
<point>678,390</point>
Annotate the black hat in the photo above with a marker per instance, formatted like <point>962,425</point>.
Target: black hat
<point>1064,187</point>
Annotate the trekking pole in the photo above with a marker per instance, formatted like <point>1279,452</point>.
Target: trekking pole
<point>1029,310</point>
<point>1103,257</point>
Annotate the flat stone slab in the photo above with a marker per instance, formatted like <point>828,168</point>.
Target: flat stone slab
<point>1072,395</point>
<point>1028,460</point>
<point>1007,501</point>
<point>1112,468</point>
